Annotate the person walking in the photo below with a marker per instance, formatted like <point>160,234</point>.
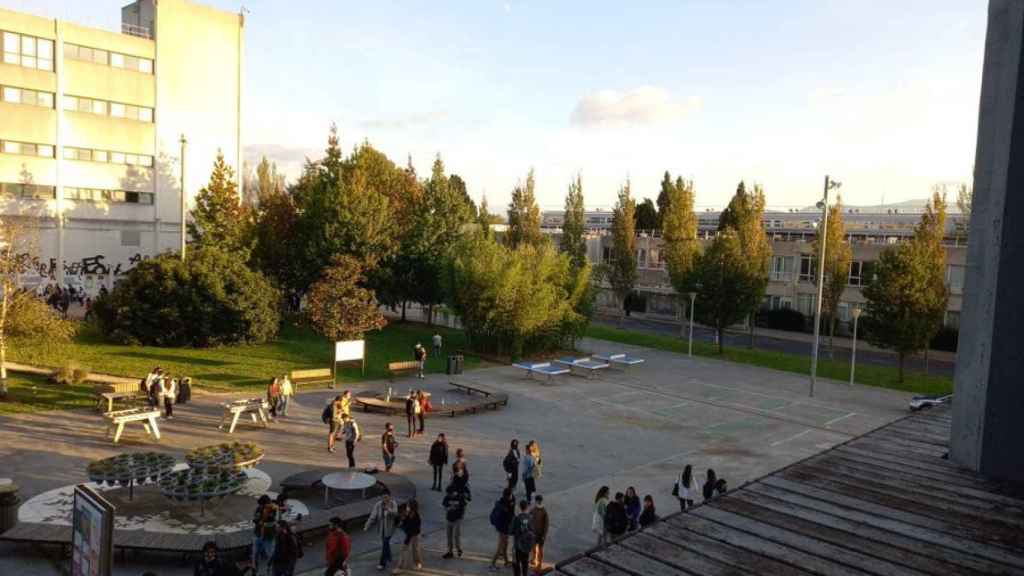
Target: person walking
<point>502,514</point>
<point>684,489</point>
<point>389,446</point>
<point>511,465</point>
<point>274,397</point>
<point>287,391</point>
<point>419,353</point>
<point>437,344</point>
<point>523,540</point>
<point>410,412</point>
<point>615,519</point>
<point>438,459</point>
<point>633,506</point>
<point>351,434</point>
<point>539,523</point>
<point>649,515</point>
<point>287,551</point>
<point>460,463</point>
<point>346,402</point>
<point>422,404</point>
<point>168,390</point>
<point>338,546</point>
<point>264,533</point>
<point>531,468</point>
<point>411,526</point>
<point>709,485</point>
<point>597,524</point>
<point>455,501</point>
<point>333,414</point>
<point>385,514</point>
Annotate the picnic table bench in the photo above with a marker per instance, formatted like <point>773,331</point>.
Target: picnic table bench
<point>311,376</point>
<point>109,398</point>
<point>469,388</point>
<point>624,360</point>
<point>118,419</point>
<point>256,408</point>
<point>590,366</point>
<point>541,368</point>
<point>404,367</point>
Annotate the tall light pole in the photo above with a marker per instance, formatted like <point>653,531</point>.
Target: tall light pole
<point>853,354</point>
<point>829,184</point>
<point>184,197</point>
<point>693,300</point>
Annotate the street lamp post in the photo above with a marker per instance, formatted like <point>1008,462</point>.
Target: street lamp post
<point>853,354</point>
<point>829,184</point>
<point>184,197</point>
<point>693,299</point>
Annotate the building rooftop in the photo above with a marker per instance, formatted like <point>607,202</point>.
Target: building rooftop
<point>883,504</point>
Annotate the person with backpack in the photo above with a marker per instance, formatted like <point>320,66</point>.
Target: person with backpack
<point>264,533</point>
<point>539,523</point>
<point>511,465</point>
<point>523,540</point>
<point>287,551</point>
<point>410,412</point>
<point>455,501</point>
<point>684,489</point>
<point>648,516</point>
<point>389,446</point>
<point>332,417</point>
<point>385,514</point>
<point>438,459</point>
<point>351,434</point>
<point>616,521</point>
<point>633,506</point>
<point>412,525</point>
<point>337,548</point>
<point>709,485</point>
<point>346,402</point>
<point>502,514</point>
<point>531,468</point>
<point>597,523</point>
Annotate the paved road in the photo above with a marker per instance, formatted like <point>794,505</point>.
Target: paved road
<point>912,364</point>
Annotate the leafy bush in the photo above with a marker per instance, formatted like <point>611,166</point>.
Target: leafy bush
<point>339,307</point>
<point>70,374</point>
<point>209,300</point>
<point>30,318</point>
<point>782,319</point>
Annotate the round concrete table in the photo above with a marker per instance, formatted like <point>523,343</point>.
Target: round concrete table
<point>346,480</point>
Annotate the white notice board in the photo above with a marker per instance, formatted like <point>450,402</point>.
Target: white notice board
<point>349,350</point>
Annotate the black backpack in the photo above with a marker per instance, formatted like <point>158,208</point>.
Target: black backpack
<point>524,536</point>
<point>510,463</point>
<point>328,413</point>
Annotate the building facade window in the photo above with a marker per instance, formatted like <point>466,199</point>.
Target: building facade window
<point>113,196</point>
<point>27,51</point>
<point>955,278</point>
<point>106,156</point>
<point>808,267</point>
<point>843,312</point>
<point>106,58</point>
<point>780,269</point>
<point>13,95</point>
<point>26,149</point>
<point>104,108</point>
<point>856,273</point>
<point>27,191</point>
<point>805,304</point>
<point>952,319</point>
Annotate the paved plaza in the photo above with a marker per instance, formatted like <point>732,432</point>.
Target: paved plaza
<point>637,427</point>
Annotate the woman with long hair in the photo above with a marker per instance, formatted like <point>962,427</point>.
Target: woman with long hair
<point>597,522</point>
<point>412,526</point>
<point>531,468</point>
<point>685,488</point>
<point>709,485</point>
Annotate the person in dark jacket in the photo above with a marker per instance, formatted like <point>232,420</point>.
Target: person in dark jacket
<point>523,540</point>
<point>410,412</point>
<point>511,465</point>
<point>455,501</point>
<point>411,525</point>
<point>210,564</point>
<point>633,506</point>
<point>709,485</point>
<point>287,551</point>
<point>501,518</point>
<point>648,516</point>
<point>338,546</point>
<point>438,459</point>
<point>616,522</point>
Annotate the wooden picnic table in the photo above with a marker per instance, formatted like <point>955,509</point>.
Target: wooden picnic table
<point>118,419</point>
<point>110,397</point>
<point>256,408</point>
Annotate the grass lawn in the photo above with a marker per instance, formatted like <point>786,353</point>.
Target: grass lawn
<point>242,367</point>
<point>27,393</point>
<point>883,376</point>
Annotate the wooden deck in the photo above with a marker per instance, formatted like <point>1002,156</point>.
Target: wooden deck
<point>883,504</point>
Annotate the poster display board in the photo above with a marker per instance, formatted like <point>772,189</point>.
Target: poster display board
<point>350,351</point>
<point>92,533</point>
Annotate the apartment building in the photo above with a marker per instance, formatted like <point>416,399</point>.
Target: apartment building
<point>91,123</point>
<point>792,268</point>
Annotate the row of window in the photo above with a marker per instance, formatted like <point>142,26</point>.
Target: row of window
<point>13,95</point>
<point>26,149</point>
<point>28,191</point>
<point>106,156</point>
<point>28,51</point>
<point>99,195</point>
<point>108,58</point>
<point>107,108</point>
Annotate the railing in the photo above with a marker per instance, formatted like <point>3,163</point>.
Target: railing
<point>136,30</point>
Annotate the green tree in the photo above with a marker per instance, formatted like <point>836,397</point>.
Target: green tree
<point>838,256</point>
<point>484,218</point>
<point>459,190</point>
<point>906,299</point>
<point>664,197</point>
<point>679,234</point>
<point>646,216</point>
<point>266,180</point>
<point>219,218</point>
<point>573,241</point>
<point>621,271</point>
<point>339,306</point>
<point>524,215</point>
<point>965,202</point>
<point>274,252</point>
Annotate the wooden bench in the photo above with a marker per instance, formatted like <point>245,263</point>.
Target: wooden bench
<point>469,388</point>
<point>109,398</point>
<point>311,376</point>
<point>146,416</point>
<point>404,367</point>
<point>255,407</point>
<point>372,403</point>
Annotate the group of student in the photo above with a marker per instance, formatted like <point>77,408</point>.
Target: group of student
<point>162,389</point>
<point>612,518</point>
<point>686,488</point>
<point>526,524</point>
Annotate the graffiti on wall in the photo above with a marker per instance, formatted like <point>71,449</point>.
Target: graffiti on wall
<point>88,266</point>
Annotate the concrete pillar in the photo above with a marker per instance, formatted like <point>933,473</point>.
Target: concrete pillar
<point>988,410</point>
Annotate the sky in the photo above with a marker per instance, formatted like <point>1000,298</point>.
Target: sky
<point>881,95</point>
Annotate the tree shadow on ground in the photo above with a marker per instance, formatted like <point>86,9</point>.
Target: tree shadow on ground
<point>174,358</point>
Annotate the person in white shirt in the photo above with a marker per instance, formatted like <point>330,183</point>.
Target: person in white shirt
<point>385,513</point>
<point>287,391</point>
<point>685,488</point>
<point>168,391</point>
<point>437,344</point>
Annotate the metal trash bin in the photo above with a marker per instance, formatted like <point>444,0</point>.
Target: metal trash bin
<point>8,504</point>
<point>455,363</point>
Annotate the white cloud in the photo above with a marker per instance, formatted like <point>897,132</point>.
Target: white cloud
<point>645,105</point>
<point>404,122</point>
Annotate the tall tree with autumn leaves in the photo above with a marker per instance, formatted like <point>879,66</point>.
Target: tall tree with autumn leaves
<point>838,256</point>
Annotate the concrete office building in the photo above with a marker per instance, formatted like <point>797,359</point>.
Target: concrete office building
<point>90,129</point>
